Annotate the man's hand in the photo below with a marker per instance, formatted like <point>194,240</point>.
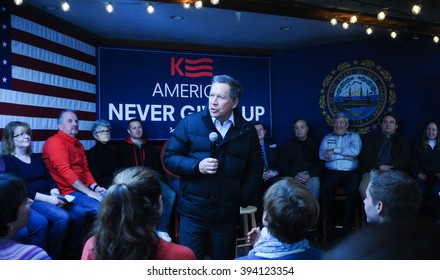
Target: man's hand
<point>269,174</point>
<point>208,166</point>
<point>328,154</point>
<point>94,195</point>
<point>385,167</point>
<point>253,235</point>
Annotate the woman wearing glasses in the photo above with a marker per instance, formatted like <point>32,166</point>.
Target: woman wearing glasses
<point>63,222</point>
<point>101,158</point>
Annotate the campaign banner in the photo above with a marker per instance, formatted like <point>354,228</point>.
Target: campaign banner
<point>162,87</point>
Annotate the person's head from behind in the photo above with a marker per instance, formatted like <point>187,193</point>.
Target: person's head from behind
<point>101,131</point>
<point>391,195</point>
<point>14,204</point>
<point>301,129</point>
<point>126,224</point>
<point>395,240</point>
<point>16,135</point>
<point>224,97</point>
<point>290,210</point>
<point>68,122</point>
<point>135,129</point>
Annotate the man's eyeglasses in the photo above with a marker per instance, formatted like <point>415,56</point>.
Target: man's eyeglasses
<point>107,131</point>
<point>21,135</point>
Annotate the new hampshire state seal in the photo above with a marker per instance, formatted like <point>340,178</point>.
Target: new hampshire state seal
<point>363,90</point>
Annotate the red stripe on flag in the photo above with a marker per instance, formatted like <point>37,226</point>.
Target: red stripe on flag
<point>43,134</point>
<point>39,112</point>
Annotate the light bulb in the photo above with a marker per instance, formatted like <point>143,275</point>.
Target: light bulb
<point>353,19</point>
<point>345,25</point>
<point>198,4</point>
<point>333,21</point>
<point>186,5</point>
<point>369,31</point>
<point>381,15</point>
<point>109,8</point>
<point>215,2</point>
<point>150,9</point>
<point>416,9</point>
<point>393,34</point>
<point>65,6</point>
<point>435,39</point>
<point>18,2</point>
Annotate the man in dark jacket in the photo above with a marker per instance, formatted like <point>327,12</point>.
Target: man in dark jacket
<point>135,151</point>
<point>386,150</point>
<point>213,189</point>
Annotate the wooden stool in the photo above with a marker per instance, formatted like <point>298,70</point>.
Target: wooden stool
<point>246,214</point>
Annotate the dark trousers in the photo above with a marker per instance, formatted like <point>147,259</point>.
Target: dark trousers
<point>331,179</point>
<point>197,236</point>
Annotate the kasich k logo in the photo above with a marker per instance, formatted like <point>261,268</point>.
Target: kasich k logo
<point>191,68</point>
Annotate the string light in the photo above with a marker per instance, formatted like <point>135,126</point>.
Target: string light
<point>150,9</point>
<point>109,8</point>
<point>345,25</point>
<point>18,2</point>
<point>333,21</point>
<point>369,31</point>
<point>65,6</point>
<point>215,2</point>
<point>198,4</point>
<point>353,19</point>
<point>393,34</point>
<point>435,39</point>
<point>186,5</point>
<point>381,15</point>
<point>416,9</point>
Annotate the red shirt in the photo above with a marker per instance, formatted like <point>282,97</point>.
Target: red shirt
<point>165,251</point>
<point>65,159</point>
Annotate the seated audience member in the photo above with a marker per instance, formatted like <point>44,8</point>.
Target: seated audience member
<point>270,156</point>
<point>299,158</point>
<point>67,221</point>
<point>425,165</point>
<point>65,159</point>
<point>395,240</point>
<point>14,214</point>
<point>340,150</point>
<point>290,212</point>
<point>102,160</point>
<point>385,150</point>
<point>391,195</point>
<point>136,151</point>
<point>133,206</point>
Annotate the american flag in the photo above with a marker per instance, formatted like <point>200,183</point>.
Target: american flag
<point>43,71</point>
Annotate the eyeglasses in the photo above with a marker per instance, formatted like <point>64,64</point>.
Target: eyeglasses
<point>107,131</point>
<point>21,135</point>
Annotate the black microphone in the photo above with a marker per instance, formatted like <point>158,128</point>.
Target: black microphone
<point>213,137</point>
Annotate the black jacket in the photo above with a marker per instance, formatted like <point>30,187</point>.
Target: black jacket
<point>297,156</point>
<point>214,198</point>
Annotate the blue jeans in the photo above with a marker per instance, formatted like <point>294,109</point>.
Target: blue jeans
<point>59,222</point>
<point>76,234</point>
<point>168,199</point>
<point>35,232</point>
<point>88,204</point>
<point>313,185</point>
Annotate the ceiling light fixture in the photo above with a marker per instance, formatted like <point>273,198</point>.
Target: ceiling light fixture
<point>416,9</point>
<point>186,5</point>
<point>333,21</point>
<point>18,2</point>
<point>198,4</point>
<point>150,8</point>
<point>65,6</point>
<point>382,15</point>
<point>435,39</point>
<point>109,8</point>
<point>353,19</point>
<point>369,31</point>
<point>393,34</point>
<point>345,25</point>
<point>215,2</point>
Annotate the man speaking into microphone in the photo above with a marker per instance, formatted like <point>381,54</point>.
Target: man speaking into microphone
<point>217,176</point>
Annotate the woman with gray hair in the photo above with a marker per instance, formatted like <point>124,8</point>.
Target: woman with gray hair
<point>101,158</point>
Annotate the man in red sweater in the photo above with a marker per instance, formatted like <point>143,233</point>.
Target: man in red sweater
<point>65,159</point>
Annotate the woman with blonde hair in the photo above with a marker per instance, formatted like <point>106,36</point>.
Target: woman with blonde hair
<point>126,225</point>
